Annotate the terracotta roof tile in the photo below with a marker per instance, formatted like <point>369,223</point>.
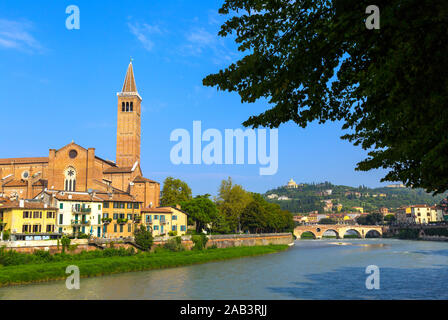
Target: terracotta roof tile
<point>24,160</point>
<point>118,170</point>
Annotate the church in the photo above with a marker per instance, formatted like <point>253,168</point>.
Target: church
<point>74,168</point>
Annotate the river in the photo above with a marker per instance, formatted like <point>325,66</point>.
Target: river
<point>312,269</point>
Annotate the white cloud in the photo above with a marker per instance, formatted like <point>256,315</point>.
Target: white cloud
<point>143,33</point>
<point>16,35</point>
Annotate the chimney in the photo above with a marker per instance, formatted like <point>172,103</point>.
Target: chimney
<point>21,203</point>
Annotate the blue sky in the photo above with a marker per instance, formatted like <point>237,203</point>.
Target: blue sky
<point>59,85</point>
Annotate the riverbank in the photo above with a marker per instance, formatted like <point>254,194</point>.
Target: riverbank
<point>31,271</point>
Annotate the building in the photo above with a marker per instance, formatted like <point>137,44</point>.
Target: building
<point>272,196</point>
<point>74,168</point>
<point>359,209</point>
<point>384,211</point>
<point>419,214</point>
<point>292,184</point>
<point>28,220</point>
<point>121,215</point>
<point>283,198</point>
<point>162,220</point>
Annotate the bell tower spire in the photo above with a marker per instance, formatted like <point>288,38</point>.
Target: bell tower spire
<point>128,121</point>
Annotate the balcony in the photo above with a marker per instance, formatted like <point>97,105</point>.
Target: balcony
<point>80,223</point>
<point>122,221</point>
<point>81,210</point>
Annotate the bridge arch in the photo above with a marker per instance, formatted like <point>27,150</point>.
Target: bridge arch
<point>352,233</point>
<point>307,235</point>
<point>373,233</point>
<point>329,233</point>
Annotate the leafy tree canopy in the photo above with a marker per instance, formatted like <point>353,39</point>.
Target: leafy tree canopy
<point>317,61</point>
<point>201,210</point>
<point>174,192</point>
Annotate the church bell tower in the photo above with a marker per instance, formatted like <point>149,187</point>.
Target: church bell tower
<point>129,122</point>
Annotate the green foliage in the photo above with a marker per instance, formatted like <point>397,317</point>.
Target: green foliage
<point>65,242</point>
<point>199,241</point>
<point>410,234</point>
<point>307,197</point>
<point>370,219</point>
<point>174,244</point>
<point>317,61</point>
<point>389,218</point>
<point>327,221</point>
<point>6,234</point>
<point>93,263</point>
<point>143,238</point>
<point>201,210</point>
<point>174,192</point>
<point>443,232</point>
<point>172,233</point>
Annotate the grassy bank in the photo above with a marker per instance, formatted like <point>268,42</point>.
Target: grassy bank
<point>90,266</point>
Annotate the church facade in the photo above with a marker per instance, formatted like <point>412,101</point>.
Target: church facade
<point>74,168</point>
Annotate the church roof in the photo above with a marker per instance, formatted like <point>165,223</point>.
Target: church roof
<point>118,170</point>
<point>24,160</point>
<point>129,81</point>
<point>142,180</point>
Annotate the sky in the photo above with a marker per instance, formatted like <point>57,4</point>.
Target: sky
<point>59,85</point>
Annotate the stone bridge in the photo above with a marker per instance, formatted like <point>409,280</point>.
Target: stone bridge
<point>340,229</point>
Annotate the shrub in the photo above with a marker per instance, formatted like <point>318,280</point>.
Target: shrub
<point>172,233</point>
<point>65,241</point>
<point>174,244</point>
<point>143,238</point>
<point>199,241</point>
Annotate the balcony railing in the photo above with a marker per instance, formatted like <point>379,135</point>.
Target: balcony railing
<point>82,210</point>
<point>80,222</point>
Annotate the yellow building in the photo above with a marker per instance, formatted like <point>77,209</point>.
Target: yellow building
<point>162,220</point>
<point>359,209</point>
<point>419,214</point>
<point>28,220</point>
<point>121,215</point>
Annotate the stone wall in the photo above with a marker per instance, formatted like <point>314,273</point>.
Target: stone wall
<point>221,241</point>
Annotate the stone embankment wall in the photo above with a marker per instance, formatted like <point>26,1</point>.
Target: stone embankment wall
<point>221,241</point>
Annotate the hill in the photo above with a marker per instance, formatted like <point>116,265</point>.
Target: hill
<point>326,197</point>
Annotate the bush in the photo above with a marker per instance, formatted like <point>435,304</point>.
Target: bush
<point>143,238</point>
<point>172,233</point>
<point>199,241</point>
<point>174,244</point>
<point>6,235</point>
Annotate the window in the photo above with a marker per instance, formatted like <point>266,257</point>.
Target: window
<point>132,106</point>
<point>115,216</point>
<point>106,205</point>
<point>99,207</point>
<point>105,215</point>
<point>135,205</point>
<point>156,217</point>
<point>37,228</point>
<point>50,215</point>
<point>162,218</point>
<point>122,106</point>
<point>61,219</point>
<point>174,217</point>
<point>37,214</point>
<point>129,227</point>
<point>156,227</point>
<point>70,179</point>
<point>129,216</point>
<point>50,228</point>
<point>182,228</point>
<point>26,214</point>
<point>127,106</point>
<point>121,228</point>
<point>148,218</point>
<point>115,228</point>
<point>115,204</point>
<point>122,216</point>
<point>61,206</point>
<point>129,205</point>
<point>174,228</point>
<point>121,205</point>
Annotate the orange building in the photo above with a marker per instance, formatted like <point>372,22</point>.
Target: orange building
<point>74,168</point>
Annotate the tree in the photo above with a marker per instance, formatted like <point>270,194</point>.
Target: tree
<point>201,210</point>
<point>174,192</point>
<point>389,218</point>
<point>253,218</point>
<point>317,61</point>
<point>326,221</point>
<point>143,238</point>
<point>370,219</point>
<point>232,199</point>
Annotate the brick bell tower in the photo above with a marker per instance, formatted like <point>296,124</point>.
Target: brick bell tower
<point>128,122</point>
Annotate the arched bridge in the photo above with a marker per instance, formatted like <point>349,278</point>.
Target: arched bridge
<point>318,230</point>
